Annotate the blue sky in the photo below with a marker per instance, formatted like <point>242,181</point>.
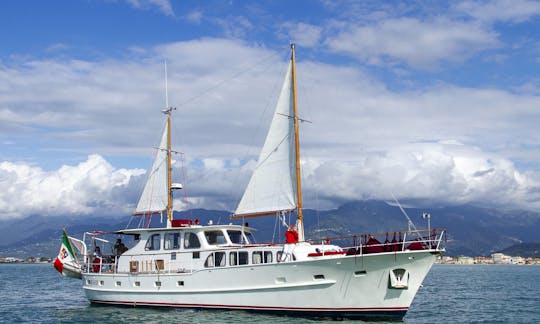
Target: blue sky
<point>435,103</point>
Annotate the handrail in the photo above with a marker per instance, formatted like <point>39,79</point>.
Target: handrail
<point>368,244</point>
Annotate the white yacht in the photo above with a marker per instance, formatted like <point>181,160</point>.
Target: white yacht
<point>190,265</point>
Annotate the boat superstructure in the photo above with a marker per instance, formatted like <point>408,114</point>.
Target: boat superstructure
<point>217,266</point>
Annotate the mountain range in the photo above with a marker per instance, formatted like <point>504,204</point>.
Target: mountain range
<point>470,230</point>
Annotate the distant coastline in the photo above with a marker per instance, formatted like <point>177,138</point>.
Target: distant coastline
<point>30,260</point>
<point>495,258</point>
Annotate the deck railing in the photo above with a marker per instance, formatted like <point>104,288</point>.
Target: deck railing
<point>432,239</point>
<point>363,244</point>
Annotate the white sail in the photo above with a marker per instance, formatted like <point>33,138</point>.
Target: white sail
<point>154,197</point>
<point>272,186</point>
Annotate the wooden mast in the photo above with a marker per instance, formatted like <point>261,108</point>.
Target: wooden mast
<point>169,168</point>
<point>300,218</point>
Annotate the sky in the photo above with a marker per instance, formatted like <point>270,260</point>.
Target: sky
<point>436,103</point>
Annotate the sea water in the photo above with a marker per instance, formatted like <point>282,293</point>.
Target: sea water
<point>36,293</point>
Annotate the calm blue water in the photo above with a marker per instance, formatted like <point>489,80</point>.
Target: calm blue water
<point>451,294</point>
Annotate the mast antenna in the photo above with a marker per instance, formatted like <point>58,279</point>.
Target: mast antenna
<point>166,87</point>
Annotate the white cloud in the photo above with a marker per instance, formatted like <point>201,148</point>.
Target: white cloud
<point>234,26</point>
<point>194,17</point>
<point>439,143</point>
<point>500,10</point>
<point>161,5</point>
<point>306,35</point>
<point>90,187</point>
<point>429,174</point>
<point>421,44</point>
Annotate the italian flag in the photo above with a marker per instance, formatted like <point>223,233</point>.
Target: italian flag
<point>66,254</point>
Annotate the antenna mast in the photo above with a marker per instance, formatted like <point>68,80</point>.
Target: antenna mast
<point>166,87</point>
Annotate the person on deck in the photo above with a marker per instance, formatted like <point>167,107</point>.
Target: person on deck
<point>291,238</point>
<point>97,252</point>
<point>97,261</point>
<point>119,247</point>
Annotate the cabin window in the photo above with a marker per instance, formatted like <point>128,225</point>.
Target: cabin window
<point>153,242</point>
<point>209,263</point>
<point>267,257</point>
<point>215,237</point>
<point>220,259</point>
<point>250,238</point>
<point>256,257</point>
<point>238,258</point>
<point>216,259</point>
<point>171,241</point>
<point>236,237</point>
<point>261,257</point>
<point>242,258</point>
<point>191,241</point>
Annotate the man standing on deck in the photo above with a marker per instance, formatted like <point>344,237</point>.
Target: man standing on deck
<point>291,238</point>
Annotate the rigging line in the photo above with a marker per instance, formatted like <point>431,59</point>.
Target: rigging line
<point>184,179</point>
<point>234,76</point>
<point>276,221</point>
<point>410,222</point>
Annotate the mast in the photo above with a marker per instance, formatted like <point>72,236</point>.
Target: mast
<point>169,153</point>
<point>300,217</point>
<point>169,168</point>
<point>156,197</point>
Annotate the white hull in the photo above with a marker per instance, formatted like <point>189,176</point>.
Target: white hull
<point>338,286</point>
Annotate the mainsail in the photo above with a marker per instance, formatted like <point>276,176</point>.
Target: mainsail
<point>154,198</point>
<point>272,187</point>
